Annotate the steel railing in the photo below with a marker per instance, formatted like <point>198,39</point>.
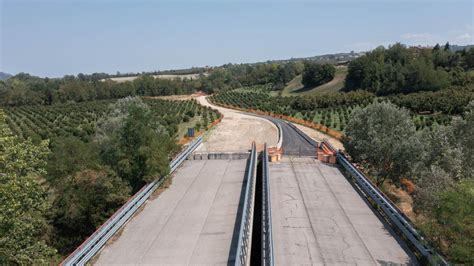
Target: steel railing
<point>267,237</point>
<point>392,213</point>
<point>242,256</point>
<point>96,241</point>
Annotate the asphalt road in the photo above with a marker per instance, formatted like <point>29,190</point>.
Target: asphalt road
<point>295,142</point>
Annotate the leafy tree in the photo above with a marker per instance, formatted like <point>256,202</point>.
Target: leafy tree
<point>399,69</point>
<point>286,73</point>
<point>439,167</point>
<point>451,224</point>
<point>447,46</point>
<point>469,58</point>
<point>315,74</point>
<point>69,155</point>
<point>133,144</point>
<point>84,201</point>
<point>445,181</point>
<point>382,137</point>
<point>397,53</point>
<point>463,130</point>
<point>23,200</point>
<point>422,75</point>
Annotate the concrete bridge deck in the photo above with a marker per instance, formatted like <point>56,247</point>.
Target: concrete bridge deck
<point>191,222</point>
<point>319,218</point>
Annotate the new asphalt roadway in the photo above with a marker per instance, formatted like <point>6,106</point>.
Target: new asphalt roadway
<point>295,142</point>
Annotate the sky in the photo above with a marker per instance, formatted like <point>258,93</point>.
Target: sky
<point>55,38</point>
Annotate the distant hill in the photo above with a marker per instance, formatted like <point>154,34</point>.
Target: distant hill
<point>4,76</point>
<point>295,87</point>
<point>455,48</point>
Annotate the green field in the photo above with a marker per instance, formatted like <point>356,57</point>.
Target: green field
<point>295,88</point>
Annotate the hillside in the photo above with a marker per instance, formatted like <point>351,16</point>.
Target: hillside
<point>294,87</point>
<point>4,76</point>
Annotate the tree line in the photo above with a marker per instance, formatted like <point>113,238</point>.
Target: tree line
<point>23,89</point>
<point>315,74</point>
<point>399,69</point>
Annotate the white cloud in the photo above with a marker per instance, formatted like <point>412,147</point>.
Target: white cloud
<point>362,46</point>
<point>367,46</point>
<point>464,37</point>
<point>419,36</point>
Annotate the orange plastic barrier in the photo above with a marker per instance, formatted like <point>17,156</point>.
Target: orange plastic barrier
<point>326,153</point>
<point>275,154</point>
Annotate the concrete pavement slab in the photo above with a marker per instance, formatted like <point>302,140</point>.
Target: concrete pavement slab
<point>319,218</point>
<point>191,222</point>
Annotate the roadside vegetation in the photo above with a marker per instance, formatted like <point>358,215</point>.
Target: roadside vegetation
<point>383,139</point>
<point>68,167</point>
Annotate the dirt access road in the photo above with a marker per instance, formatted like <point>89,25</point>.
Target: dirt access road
<point>237,131</point>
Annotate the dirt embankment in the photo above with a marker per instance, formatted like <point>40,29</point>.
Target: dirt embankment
<point>237,130</point>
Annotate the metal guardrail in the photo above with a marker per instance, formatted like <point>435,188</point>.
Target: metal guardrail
<point>267,237</point>
<point>96,241</point>
<point>398,219</point>
<point>242,256</point>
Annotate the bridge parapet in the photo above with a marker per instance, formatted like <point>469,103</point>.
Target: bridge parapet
<point>392,214</point>
<point>244,245</point>
<point>267,236</point>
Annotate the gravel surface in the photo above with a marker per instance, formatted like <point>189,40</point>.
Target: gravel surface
<point>237,131</point>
